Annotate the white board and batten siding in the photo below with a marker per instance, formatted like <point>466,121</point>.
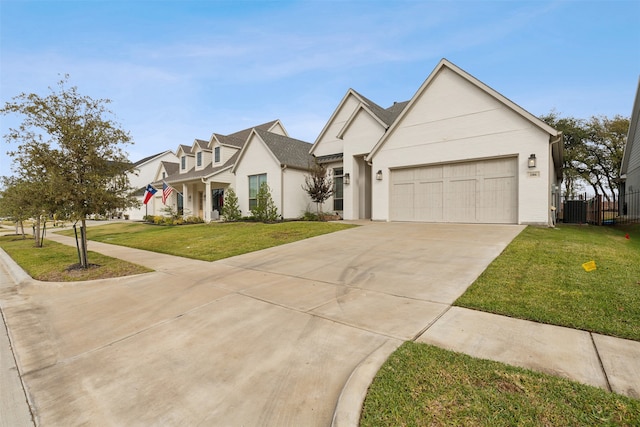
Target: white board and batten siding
<point>468,192</point>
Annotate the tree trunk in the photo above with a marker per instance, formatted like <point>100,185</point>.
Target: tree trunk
<point>44,232</point>
<point>36,233</point>
<point>75,231</point>
<point>22,228</point>
<point>83,244</point>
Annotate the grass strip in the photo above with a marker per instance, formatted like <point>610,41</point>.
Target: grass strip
<point>422,385</point>
<point>55,262</point>
<point>208,242</point>
<point>540,277</point>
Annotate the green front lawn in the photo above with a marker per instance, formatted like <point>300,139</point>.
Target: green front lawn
<point>422,385</point>
<point>208,242</point>
<point>540,277</point>
<point>53,261</point>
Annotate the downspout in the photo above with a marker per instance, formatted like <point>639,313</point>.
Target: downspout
<point>283,167</point>
<point>555,199</point>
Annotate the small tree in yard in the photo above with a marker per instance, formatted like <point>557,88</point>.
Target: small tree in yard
<point>16,202</point>
<point>72,151</point>
<point>265,209</point>
<point>230,207</point>
<point>318,185</point>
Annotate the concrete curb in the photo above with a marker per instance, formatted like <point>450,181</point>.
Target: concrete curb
<point>349,406</point>
<point>18,275</point>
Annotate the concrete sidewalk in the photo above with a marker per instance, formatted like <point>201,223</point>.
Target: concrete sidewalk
<point>14,408</point>
<point>291,335</point>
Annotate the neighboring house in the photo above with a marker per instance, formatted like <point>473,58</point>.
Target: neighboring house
<point>630,170</point>
<point>457,151</point>
<point>142,174</point>
<point>241,160</point>
<point>282,163</point>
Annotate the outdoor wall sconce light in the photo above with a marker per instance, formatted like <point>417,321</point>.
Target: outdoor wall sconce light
<point>347,178</point>
<point>189,197</point>
<point>532,161</point>
<point>379,175</point>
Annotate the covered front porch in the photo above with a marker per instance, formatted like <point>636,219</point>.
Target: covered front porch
<point>202,199</point>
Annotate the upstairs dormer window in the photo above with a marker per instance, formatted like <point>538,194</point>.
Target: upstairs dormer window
<point>199,158</point>
<point>216,153</point>
<point>183,162</point>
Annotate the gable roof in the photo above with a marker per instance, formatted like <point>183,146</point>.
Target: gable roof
<point>185,149</point>
<point>383,116</point>
<point>227,140</point>
<point>171,167</point>
<point>386,115</point>
<point>350,92</point>
<point>237,139</point>
<point>287,151</point>
<point>204,145</point>
<point>634,125</point>
<point>207,171</point>
<point>557,151</point>
<point>146,159</point>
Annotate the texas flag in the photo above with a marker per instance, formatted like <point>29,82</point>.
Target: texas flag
<point>148,193</point>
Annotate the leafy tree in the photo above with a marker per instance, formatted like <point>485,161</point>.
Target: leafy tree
<point>230,206</point>
<point>318,185</point>
<point>16,202</point>
<point>593,151</point>
<point>265,209</point>
<point>68,145</point>
<point>604,151</point>
<point>574,135</point>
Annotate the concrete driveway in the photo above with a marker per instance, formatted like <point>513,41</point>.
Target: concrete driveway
<point>267,338</point>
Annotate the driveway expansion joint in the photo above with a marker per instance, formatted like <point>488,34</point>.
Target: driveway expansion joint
<point>431,323</point>
<point>604,371</point>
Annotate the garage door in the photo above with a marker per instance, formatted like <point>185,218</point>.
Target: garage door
<point>471,192</point>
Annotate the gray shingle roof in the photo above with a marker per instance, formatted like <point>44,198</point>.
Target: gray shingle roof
<point>397,108</point>
<point>202,143</point>
<point>329,158</point>
<point>387,115</point>
<point>230,140</point>
<point>286,150</point>
<point>244,134</point>
<point>237,139</point>
<point>185,148</point>
<point>171,167</point>
<point>289,151</point>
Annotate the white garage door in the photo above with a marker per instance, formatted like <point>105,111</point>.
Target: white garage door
<point>471,192</point>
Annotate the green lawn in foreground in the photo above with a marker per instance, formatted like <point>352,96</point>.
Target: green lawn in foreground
<point>208,242</point>
<point>422,385</point>
<point>52,262</point>
<point>539,277</point>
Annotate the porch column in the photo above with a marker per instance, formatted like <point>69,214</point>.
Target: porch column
<point>185,200</point>
<point>207,202</point>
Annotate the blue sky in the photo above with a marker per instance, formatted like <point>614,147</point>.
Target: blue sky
<point>180,70</point>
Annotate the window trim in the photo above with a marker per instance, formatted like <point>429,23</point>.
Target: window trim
<point>216,154</point>
<point>183,162</point>
<point>199,158</point>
